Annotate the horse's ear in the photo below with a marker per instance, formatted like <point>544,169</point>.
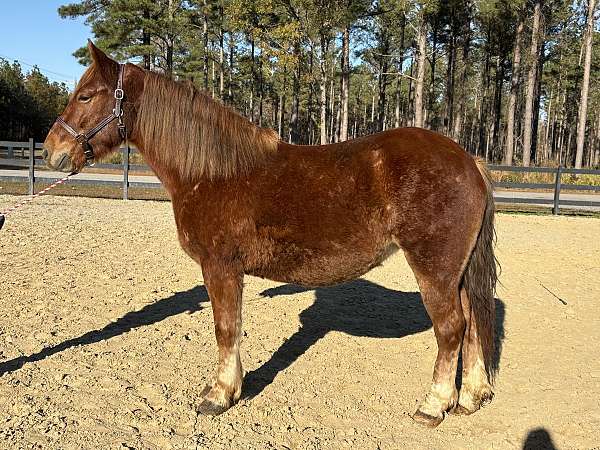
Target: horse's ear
<point>107,67</point>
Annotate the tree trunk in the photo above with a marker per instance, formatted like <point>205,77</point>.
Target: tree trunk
<point>310,96</point>
<point>221,59</point>
<point>323,118</point>
<point>146,40</point>
<point>295,118</point>
<point>213,79</point>
<point>421,57</point>
<point>280,115</point>
<point>170,41</point>
<point>549,119</point>
<point>568,158</point>
<point>585,86</point>
<point>169,58</point>
<point>332,104</point>
<point>323,89</point>
<point>253,73</point>
<point>410,109</point>
<point>261,93</point>
<point>336,133</point>
<point>397,109</point>
<point>531,83</point>
<point>462,79</point>
<point>382,95</point>
<point>498,85</point>
<point>372,109</point>
<point>230,77</point>
<point>484,105</point>
<point>282,103</point>
<point>450,80</point>
<point>399,78</point>
<point>536,105</point>
<point>205,40</point>
<point>428,112</point>
<point>345,91</point>
<point>509,142</point>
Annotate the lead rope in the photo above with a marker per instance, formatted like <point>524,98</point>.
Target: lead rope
<point>28,200</point>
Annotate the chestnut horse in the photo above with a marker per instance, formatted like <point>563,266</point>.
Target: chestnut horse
<point>246,202</point>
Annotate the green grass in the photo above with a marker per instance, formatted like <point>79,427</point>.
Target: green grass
<point>117,158</point>
<point>545,178</point>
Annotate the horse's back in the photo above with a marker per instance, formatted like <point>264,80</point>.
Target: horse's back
<point>407,167</point>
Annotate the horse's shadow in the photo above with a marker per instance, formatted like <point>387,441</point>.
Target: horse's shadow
<point>176,304</point>
<point>358,308</point>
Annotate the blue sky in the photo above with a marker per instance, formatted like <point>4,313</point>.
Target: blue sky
<point>33,33</point>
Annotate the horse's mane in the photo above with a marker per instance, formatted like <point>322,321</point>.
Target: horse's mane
<point>195,135</point>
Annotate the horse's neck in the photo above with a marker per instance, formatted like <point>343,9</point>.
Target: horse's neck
<point>195,138</point>
<point>172,181</point>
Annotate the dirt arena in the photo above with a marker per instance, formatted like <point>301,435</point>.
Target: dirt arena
<point>106,340</point>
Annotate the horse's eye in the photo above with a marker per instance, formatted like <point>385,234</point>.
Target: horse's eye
<point>84,98</point>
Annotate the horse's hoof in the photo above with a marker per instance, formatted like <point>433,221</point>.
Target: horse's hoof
<point>206,390</point>
<point>460,410</point>
<point>487,398</point>
<point>479,402</point>
<point>426,419</point>
<point>209,408</point>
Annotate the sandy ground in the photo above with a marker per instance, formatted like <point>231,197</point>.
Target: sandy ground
<point>106,340</point>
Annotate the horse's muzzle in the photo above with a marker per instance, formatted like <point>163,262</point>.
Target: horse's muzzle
<point>62,162</point>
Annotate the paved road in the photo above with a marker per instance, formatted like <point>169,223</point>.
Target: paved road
<point>505,195</point>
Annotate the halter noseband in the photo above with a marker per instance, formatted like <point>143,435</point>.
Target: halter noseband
<point>117,113</point>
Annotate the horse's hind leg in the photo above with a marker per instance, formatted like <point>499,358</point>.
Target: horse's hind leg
<point>224,285</point>
<point>439,285</point>
<point>475,390</point>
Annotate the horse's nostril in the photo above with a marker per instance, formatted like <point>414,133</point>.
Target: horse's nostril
<point>45,154</point>
<point>64,162</point>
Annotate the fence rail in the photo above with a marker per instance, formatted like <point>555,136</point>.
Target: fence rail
<point>28,155</point>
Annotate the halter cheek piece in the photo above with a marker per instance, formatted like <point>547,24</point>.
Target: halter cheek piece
<point>117,113</point>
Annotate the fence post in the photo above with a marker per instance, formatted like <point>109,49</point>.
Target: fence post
<point>557,182</point>
<point>31,166</point>
<point>126,172</point>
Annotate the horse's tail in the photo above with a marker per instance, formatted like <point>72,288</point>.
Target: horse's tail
<point>480,276</point>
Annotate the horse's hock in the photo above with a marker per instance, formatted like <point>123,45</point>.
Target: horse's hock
<point>107,338</point>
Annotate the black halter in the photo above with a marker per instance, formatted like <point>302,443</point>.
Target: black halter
<point>117,113</point>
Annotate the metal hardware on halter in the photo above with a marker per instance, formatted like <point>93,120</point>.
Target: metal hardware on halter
<point>117,113</point>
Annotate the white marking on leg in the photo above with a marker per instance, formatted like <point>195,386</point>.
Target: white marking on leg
<point>440,398</point>
<point>227,387</point>
<point>475,386</point>
<point>230,373</point>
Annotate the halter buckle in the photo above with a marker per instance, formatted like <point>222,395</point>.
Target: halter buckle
<point>119,94</point>
<point>88,151</point>
<point>122,129</point>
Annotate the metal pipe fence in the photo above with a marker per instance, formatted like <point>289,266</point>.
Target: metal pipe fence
<point>28,155</point>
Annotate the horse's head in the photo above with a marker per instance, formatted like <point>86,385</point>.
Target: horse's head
<point>92,103</point>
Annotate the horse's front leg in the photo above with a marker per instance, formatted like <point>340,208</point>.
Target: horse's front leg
<point>224,283</point>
